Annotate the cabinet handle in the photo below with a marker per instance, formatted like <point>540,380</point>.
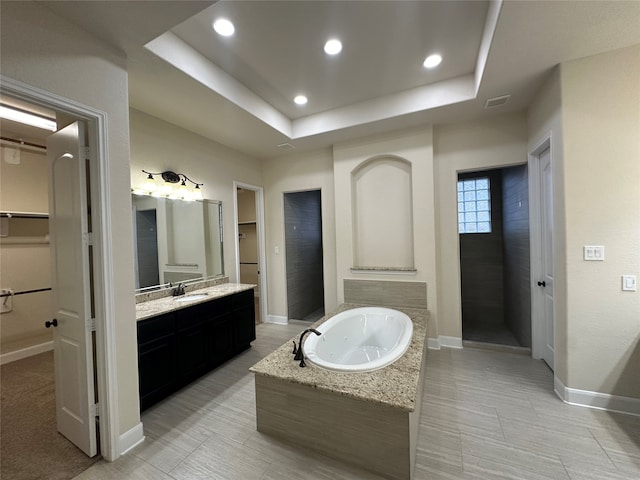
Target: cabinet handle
<point>52,323</point>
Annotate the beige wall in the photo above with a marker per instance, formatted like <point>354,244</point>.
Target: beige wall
<point>157,145</point>
<point>42,50</point>
<point>295,173</point>
<point>481,145</point>
<point>25,257</point>
<point>601,130</point>
<point>415,147</point>
<point>24,187</point>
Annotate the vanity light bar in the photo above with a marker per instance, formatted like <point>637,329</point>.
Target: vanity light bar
<point>167,190</point>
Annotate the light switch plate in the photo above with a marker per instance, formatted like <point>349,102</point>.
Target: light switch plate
<point>593,253</point>
<point>629,283</point>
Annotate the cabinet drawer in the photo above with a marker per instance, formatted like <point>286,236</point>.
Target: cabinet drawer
<point>242,299</point>
<point>156,327</point>
<point>205,310</point>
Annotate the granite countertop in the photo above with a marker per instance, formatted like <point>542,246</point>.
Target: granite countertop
<point>159,306</point>
<point>395,385</point>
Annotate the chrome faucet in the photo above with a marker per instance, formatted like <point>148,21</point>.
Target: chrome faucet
<point>298,352</point>
<point>179,290</point>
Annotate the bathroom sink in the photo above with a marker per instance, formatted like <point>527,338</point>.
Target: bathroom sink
<point>189,298</point>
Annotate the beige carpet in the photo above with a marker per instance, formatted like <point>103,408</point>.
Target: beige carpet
<point>30,446</point>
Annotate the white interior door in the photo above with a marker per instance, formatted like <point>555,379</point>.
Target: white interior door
<point>546,282</point>
<point>72,340</point>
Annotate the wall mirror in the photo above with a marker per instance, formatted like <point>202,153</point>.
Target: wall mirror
<point>176,241</point>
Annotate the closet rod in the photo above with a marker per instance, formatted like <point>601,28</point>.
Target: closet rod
<point>24,292</point>
<point>23,215</point>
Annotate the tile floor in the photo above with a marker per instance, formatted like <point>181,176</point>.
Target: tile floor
<point>486,415</point>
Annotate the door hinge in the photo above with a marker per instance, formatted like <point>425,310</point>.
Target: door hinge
<point>95,410</point>
<point>88,238</point>
<point>87,153</point>
<point>91,324</point>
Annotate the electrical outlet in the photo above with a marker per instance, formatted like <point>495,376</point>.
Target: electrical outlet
<point>629,283</point>
<point>593,253</point>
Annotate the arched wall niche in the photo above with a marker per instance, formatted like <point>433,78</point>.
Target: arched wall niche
<point>382,206</point>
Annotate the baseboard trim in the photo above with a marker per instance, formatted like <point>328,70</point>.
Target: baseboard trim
<point>25,352</point>
<point>444,341</point>
<point>433,344</point>
<point>277,319</point>
<point>597,400</point>
<point>131,439</point>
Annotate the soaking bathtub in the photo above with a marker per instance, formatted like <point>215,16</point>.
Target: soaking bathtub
<point>360,340</point>
<point>366,418</point>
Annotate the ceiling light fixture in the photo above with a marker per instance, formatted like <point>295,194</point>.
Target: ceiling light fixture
<point>333,46</point>
<point>224,27</point>
<point>300,100</point>
<point>27,118</point>
<point>432,61</point>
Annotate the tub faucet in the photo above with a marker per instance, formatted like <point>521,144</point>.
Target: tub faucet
<point>179,290</point>
<point>299,353</point>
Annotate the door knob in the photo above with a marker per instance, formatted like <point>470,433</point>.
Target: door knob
<point>53,322</point>
<point>542,284</point>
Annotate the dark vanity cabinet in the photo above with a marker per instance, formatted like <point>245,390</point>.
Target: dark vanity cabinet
<point>156,358</point>
<point>178,347</point>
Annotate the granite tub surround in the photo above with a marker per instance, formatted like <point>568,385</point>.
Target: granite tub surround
<point>152,308</point>
<point>368,419</point>
<point>394,386</point>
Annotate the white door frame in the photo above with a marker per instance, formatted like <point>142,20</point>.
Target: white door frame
<point>103,250</point>
<point>535,241</point>
<point>260,232</point>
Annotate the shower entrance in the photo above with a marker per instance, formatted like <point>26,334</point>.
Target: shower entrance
<point>304,255</point>
<point>493,224</point>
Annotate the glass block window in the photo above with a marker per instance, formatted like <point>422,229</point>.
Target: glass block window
<point>474,206</point>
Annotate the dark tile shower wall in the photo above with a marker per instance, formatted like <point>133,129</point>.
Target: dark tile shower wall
<point>147,238</point>
<point>303,244</point>
<point>481,266</point>
<point>517,289</point>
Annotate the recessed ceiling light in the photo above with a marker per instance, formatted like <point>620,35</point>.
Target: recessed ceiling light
<point>224,27</point>
<point>300,100</point>
<point>432,61</point>
<point>333,46</point>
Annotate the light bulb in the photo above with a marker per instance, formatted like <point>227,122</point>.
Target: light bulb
<point>150,184</point>
<point>224,27</point>
<point>333,46</point>
<point>432,61</point>
<point>166,189</point>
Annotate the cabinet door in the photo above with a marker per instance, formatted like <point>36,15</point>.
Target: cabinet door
<point>156,359</point>
<point>221,339</point>
<point>192,352</point>
<point>244,319</point>
<point>244,322</point>
<point>156,370</point>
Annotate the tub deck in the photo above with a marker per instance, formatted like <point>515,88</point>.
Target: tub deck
<point>369,419</point>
